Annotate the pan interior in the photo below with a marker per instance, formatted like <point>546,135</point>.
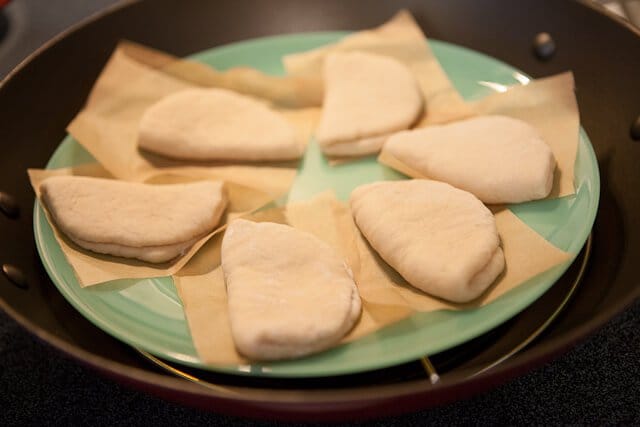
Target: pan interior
<point>148,314</point>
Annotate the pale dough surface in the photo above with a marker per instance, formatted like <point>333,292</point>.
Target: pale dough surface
<point>217,124</point>
<point>366,96</point>
<point>499,159</point>
<point>442,240</point>
<point>289,293</point>
<point>154,223</point>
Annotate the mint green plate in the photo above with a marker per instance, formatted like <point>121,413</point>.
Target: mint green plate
<point>148,313</point>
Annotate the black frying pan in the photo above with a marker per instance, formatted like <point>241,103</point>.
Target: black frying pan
<point>604,55</point>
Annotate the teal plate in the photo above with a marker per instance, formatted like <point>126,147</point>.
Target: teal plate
<point>148,314</point>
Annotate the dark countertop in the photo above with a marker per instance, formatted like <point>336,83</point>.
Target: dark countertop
<point>598,382</point>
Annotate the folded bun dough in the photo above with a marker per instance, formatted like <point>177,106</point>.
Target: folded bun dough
<point>153,223</point>
<point>442,240</point>
<point>289,293</point>
<point>367,97</point>
<point>497,158</point>
<point>216,124</point>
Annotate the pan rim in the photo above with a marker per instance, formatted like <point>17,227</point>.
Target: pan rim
<point>520,363</point>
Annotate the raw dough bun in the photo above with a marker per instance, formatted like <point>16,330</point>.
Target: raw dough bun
<point>442,240</point>
<point>217,124</point>
<point>153,223</point>
<point>289,293</point>
<point>366,96</point>
<point>497,158</point>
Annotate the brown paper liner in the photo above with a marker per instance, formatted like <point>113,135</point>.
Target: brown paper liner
<point>290,92</point>
<point>549,105</point>
<point>245,193</point>
<point>135,77</point>
<point>387,297</point>
<point>402,39</point>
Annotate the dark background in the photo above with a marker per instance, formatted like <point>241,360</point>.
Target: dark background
<point>598,382</point>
